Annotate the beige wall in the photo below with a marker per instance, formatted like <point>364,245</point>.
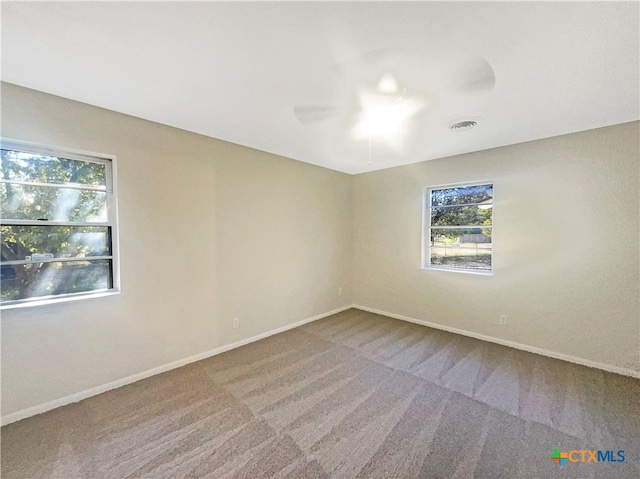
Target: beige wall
<point>208,231</point>
<point>566,245</point>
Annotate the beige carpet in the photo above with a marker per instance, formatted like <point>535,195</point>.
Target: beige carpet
<point>350,396</point>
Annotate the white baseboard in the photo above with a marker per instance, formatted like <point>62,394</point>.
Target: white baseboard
<point>79,396</point>
<point>511,344</point>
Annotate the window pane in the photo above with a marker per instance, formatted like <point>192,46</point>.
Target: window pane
<point>49,279</point>
<point>463,195</point>
<point>20,166</point>
<point>19,242</point>
<point>460,215</point>
<point>461,248</point>
<point>26,202</point>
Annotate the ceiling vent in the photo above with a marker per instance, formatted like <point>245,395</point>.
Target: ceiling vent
<point>463,125</point>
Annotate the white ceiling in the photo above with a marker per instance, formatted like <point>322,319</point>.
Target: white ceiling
<point>235,71</point>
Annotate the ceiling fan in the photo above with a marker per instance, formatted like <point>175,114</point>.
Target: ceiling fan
<point>379,104</point>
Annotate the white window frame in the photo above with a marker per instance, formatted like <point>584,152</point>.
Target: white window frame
<point>112,220</point>
<point>425,259</point>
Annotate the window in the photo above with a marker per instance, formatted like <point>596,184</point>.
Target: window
<point>458,228</point>
<point>57,224</point>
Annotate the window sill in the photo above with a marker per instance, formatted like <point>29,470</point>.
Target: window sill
<point>451,270</point>
<point>28,303</point>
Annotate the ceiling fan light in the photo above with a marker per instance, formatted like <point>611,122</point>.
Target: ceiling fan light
<point>388,84</point>
<point>383,119</point>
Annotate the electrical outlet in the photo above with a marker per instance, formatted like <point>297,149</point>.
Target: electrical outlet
<point>340,291</point>
<point>503,319</point>
<point>236,323</point>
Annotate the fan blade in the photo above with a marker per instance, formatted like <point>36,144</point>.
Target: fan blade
<point>359,67</point>
<point>311,114</point>
<point>475,76</point>
<point>370,58</point>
